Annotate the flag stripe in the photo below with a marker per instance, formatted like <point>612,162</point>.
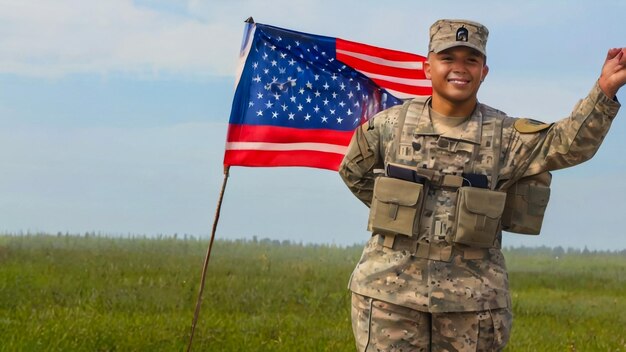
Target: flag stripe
<point>371,50</point>
<point>306,158</point>
<point>399,80</point>
<point>319,147</point>
<point>368,66</point>
<point>409,65</point>
<point>413,90</point>
<point>276,134</point>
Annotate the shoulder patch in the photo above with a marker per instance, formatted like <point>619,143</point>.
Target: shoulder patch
<point>530,126</point>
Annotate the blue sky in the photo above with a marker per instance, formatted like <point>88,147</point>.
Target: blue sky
<point>113,113</point>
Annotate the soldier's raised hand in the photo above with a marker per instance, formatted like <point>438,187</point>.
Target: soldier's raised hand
<point>613,75</point>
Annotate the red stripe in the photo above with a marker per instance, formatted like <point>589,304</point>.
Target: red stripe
<point>387,54</point>
<point>404,88</point>
<point>367,66</point>
<point>255,158</point>
<point>274,134</point>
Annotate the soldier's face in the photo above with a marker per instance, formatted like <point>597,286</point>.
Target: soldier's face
<point>456,74</point>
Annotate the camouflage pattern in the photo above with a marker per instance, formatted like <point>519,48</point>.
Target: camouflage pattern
<point>458,283</point>
<point>445,34</point>
<point>382,326</point>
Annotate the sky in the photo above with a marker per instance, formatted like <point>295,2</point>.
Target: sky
<point>113,114</point>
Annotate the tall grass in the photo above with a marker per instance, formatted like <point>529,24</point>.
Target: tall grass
<point>72,293</point>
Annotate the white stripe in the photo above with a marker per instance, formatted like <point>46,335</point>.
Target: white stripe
<point>318,147</point>
<point>414,65</point>
<point>407,81</point>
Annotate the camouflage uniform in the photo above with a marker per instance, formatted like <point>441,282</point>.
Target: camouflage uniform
<point>428,273</point>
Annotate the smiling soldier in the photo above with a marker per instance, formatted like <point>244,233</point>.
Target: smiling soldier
<point>443,176</point>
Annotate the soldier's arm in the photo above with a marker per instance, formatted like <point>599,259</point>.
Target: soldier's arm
<point>363,156</point>
<point>531,149</point>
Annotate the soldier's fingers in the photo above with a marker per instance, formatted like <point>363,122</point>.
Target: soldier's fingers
<point>612,53</point>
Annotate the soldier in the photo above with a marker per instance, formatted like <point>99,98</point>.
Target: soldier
<point>442,177</point>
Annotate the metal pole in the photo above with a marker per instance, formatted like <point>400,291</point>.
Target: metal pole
<point>206,259</point>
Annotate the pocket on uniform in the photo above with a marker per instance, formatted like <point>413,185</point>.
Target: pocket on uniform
<point>478,214</point>
<point>395,207</point>
<point>526,205</point>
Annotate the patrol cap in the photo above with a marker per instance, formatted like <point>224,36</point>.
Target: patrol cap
<point>445,34</point>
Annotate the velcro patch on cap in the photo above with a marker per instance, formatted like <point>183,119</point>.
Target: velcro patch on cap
<point>530,126</point>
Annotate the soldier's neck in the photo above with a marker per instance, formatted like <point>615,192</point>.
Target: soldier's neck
<point>448,108</point>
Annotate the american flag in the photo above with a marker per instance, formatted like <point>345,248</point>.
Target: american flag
<point>300,96</point>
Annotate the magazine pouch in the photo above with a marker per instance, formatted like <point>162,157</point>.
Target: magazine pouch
<point>526,204</point>
<point>478,214</point>
<point>395,207</point>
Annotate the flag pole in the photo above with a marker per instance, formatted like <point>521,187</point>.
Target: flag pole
<point>206,258</point>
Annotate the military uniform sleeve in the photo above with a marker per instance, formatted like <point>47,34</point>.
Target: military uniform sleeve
<point>565,143</point>
<point>363,156</point>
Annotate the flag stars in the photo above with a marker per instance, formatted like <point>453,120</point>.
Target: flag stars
<point>325,101</point>
<point>332,112</point>
<point>300,107</point>
<point>293,99</point>
<point>292,116</point>
<point>324,119</point>
<point>284,106</point>
<point>308,99</point>
<point>282,70</point>
<point>342,86</point>
<point>250,103</point>
<point>350,95</point>
<point>266,71</point>
<point>274,115</point>
<point>265,56</point>
<point>269,104</point>
<point>276,96</point>
<point>334,95</point>
<point>274,63</point>
<point>309,85</point>
<point>342,104</point>
<point>317,93</point>
<point>301,91</point>
<point>283,55</point>
<point>316,109</point>
<point>307,117</point>
<point>259,113</point>
<point>339,120</point>
<point>259,95</point>
<point>255,65</point>
<point>257,79</point>
<point>326,86</point>
<point>317,77</point>
<point>334,77</point>
<point>292,62</point>
<point>349,112</point>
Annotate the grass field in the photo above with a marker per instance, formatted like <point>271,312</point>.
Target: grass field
<point>77,293</point>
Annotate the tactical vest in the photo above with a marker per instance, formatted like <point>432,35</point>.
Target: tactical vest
<point>416,162</point>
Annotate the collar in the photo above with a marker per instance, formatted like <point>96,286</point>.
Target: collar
<point>469,131</point>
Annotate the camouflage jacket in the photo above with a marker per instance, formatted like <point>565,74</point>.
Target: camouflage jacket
<point>459,283</point>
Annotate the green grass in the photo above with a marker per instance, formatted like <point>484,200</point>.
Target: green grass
<point>71,293</point>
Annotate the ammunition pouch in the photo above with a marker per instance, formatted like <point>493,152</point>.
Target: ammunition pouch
<point>478,214</point>
<point>526,204</point>
<point>396,207</point>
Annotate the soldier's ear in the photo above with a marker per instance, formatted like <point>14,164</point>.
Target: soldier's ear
<point>426,66</point>
<point>484,73</point>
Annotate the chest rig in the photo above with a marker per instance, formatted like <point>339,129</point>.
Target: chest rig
<point>439,188</point>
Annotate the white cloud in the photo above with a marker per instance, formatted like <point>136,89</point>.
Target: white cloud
<point>69,36</point>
